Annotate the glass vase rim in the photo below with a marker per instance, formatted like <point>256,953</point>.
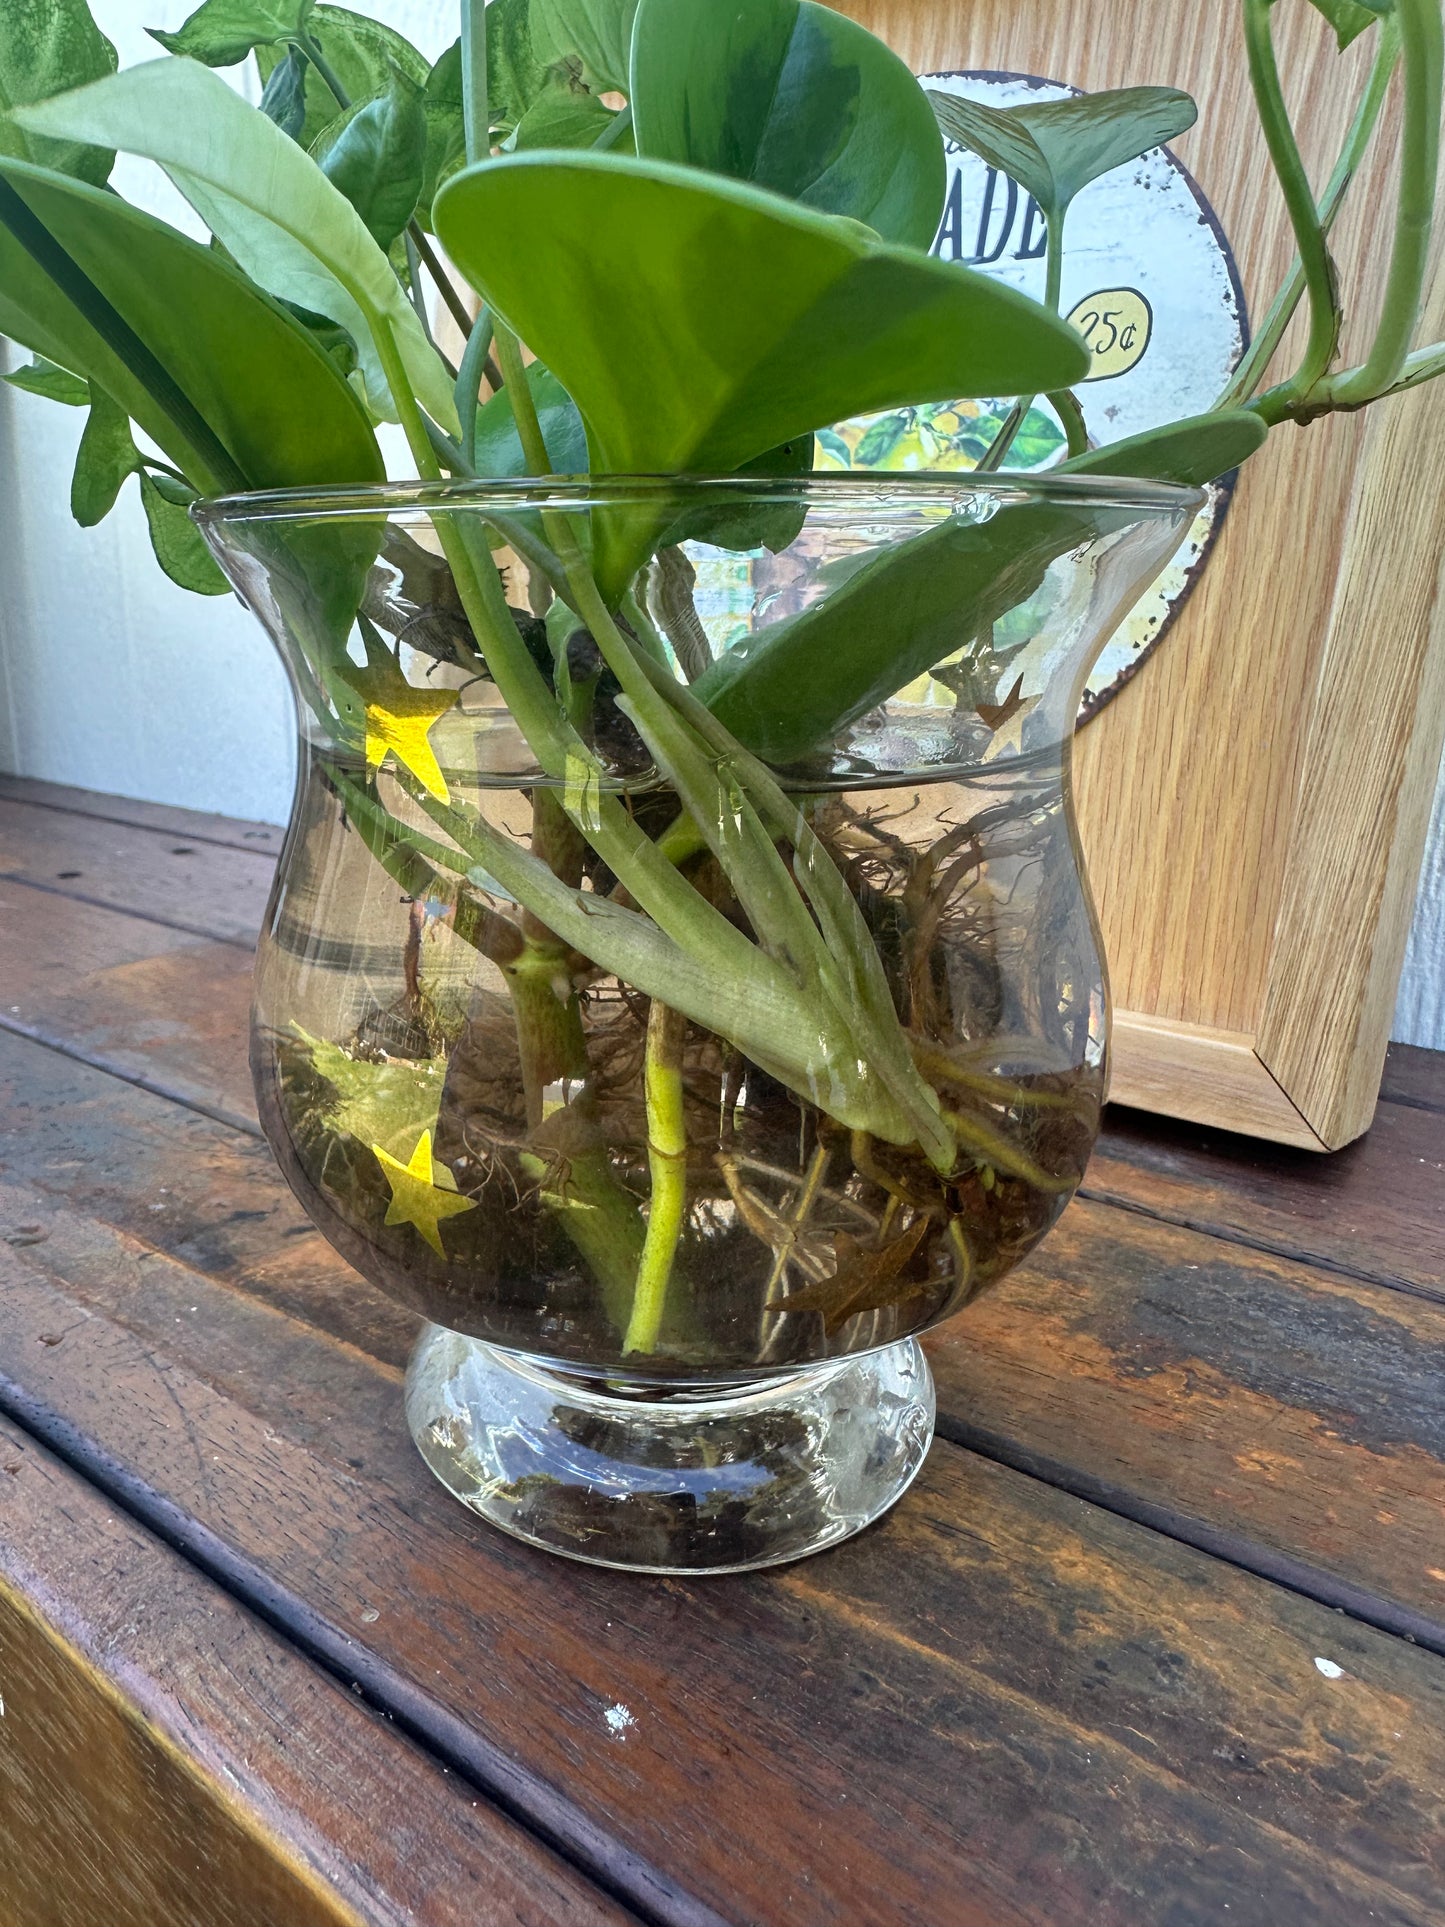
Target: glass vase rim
<point>921,488</point>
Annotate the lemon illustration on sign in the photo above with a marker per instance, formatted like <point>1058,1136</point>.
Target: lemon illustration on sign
<point>1116,325</point>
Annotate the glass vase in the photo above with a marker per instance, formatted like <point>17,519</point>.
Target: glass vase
<point>680,985</point>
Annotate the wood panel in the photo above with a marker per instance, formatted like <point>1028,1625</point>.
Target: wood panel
<point>165,1759</point>
<point>1254,803</point>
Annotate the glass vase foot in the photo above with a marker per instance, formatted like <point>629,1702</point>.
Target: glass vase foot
<point>702,1479</point>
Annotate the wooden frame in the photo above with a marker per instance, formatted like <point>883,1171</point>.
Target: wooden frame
<point>1254,802</point>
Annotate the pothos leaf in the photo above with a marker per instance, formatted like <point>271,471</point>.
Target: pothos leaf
<point>42,377</point>
<point>283,98</point>
<point>222,32</point>
<point>1053,148</point>
<point>265,201</point>
<point>722,320</point>
<point>46,47</point>
<point>596,32</point>
<point>389,1103</point>
<point>564,114</point>
<point>515,73</point>
<point>445,133</point>
<point>359,52</point>
<point>277,412</point>
<point>375,154</point>
<point>1192,452</point>
<point>106,456</point>
<point>1350,18</point>
<point>794,97</point>
<point>498,445</point>
<point>179,546</point>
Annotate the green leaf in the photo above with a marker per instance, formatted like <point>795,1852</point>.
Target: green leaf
<point>222,32</point>
<point>283,98</point>
<point>106,456</point>
<point>267,202</point>
<point>498,445</point>
<point>515,75</point>
<point>1053,148</point>
<point>279,413</point>
<point>47,46</point>
<point>596,32</point>
<point>1193,451</point>
<point>358,51</point>
<point>389,1103</point>
<point>1350,18</point>
<point>445,135</point>
<point>722,321</point>
<point>42,377</point>
<point>795,685</point>
<point>179,546</point>
<point>794,97</point>
<point>375,154</point>
<point>564,114</point>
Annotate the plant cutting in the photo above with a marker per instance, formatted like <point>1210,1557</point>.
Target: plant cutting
<point>679,985</point>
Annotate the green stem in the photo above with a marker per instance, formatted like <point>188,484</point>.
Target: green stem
<point>476,115</point>
<point>614,130</point>
<point>996,453</point>
<point>1247,377</point>
<point>1423,54</point>
<point>469,381</point>
<point>1065,404</point>
<point>456,307</point>
<point>524,408</point>
<point>323,67</point>
<point>667,1162</point>
<point>1315,264</point>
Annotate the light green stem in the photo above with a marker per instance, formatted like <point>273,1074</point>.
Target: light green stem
<point>996,454</point>
<point>667,1162</point>
<point>1247,377</point>
<point>1421,46</point>
<point>1299,199</point>
<point>476,104</point>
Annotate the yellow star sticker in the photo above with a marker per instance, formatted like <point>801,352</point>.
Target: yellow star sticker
<point>399,718</point>
<point>422,1193</point>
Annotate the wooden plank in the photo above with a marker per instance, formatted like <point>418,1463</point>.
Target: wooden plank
<point>1000,1706</point>
<point>1414,1076</point>
<point>209,889</point>
<point>164,1757</point>
<point>157,1004</point>
<point>189,826</point>
<point>1375,1209</point>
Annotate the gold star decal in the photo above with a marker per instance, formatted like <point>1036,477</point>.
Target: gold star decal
<point>1006,720</point>
<point>422,1193</point>
<point>399,718</point>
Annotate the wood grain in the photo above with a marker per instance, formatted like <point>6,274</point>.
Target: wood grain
<point>1064,1716</point>
<point>1254,803</point>
<point>164,1758</point>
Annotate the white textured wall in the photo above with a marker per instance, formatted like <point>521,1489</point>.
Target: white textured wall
<point>113,679</point>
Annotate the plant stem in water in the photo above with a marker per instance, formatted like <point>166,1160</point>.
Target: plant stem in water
<point>667,1161</point>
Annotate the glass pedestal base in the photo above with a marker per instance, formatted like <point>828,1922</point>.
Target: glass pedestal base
<point>706,1479</point>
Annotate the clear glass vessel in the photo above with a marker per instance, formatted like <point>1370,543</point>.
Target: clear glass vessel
<point>680,985</point>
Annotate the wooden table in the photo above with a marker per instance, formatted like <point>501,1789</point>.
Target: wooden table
<point>1159,1635</point>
